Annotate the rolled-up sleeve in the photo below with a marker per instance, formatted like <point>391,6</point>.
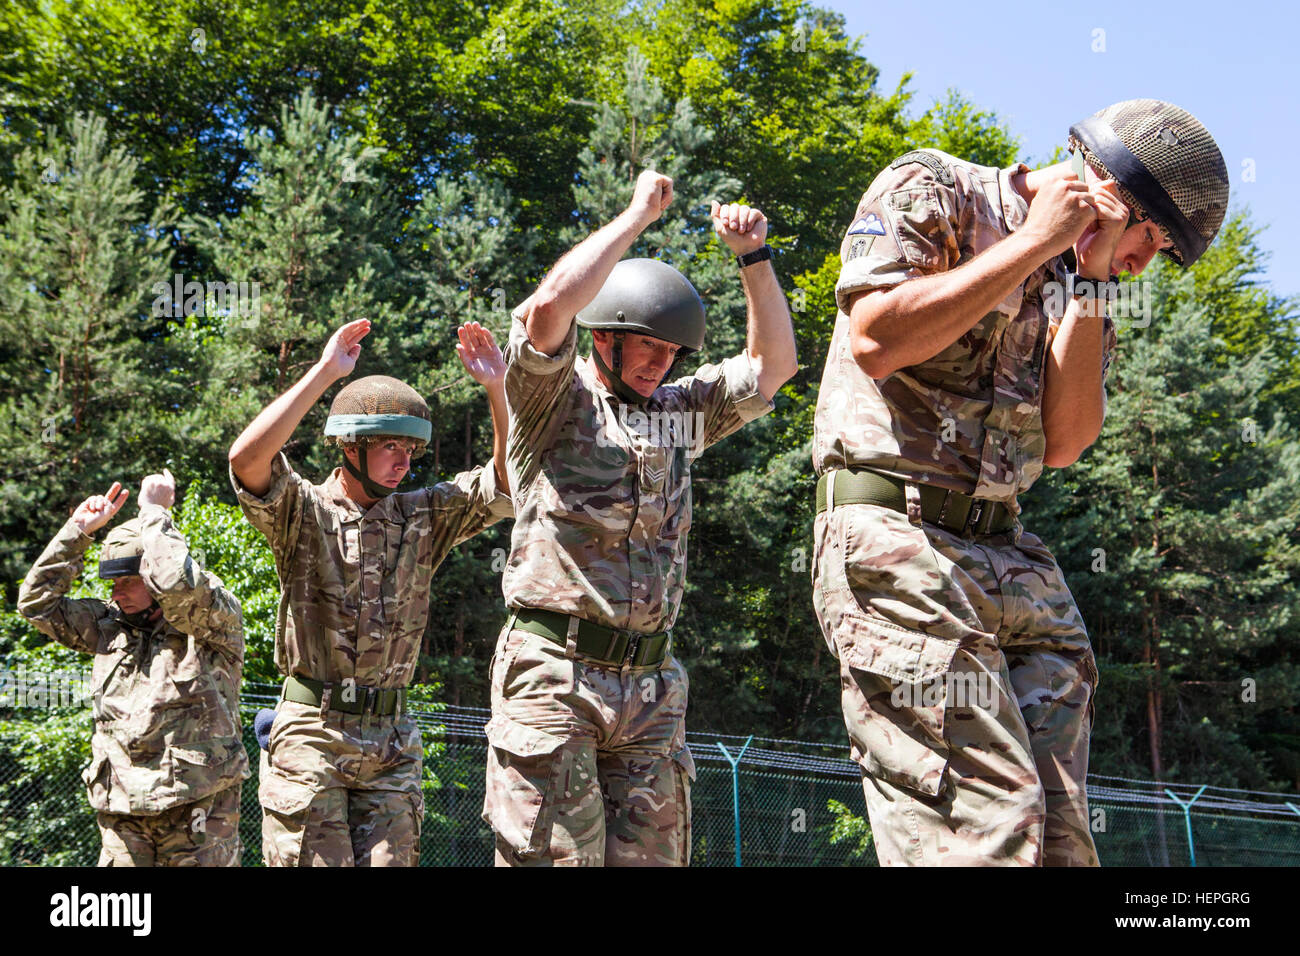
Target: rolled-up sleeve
<point>537,386</point>
<point>469,503</point>
<point>904,228</point>
<point>726,395</point>
<point>278,513</point>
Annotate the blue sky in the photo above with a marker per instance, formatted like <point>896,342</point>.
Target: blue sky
<point>1235,66</point>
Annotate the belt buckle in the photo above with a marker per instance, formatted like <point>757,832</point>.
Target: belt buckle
<point>973,518</point>
<point>633,643</point>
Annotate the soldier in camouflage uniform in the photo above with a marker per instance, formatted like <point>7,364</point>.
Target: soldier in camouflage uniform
<point>340,772</point>
<point>167,759</point>
<point>969,351</point>
<point>588,762</point>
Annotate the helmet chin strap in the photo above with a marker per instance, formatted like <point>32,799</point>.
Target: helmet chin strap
<point>619,387</point>
<point>373,489</point>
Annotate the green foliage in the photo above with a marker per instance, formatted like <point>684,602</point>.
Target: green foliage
<point>1190,497</point>
<point>849,828</point>
<point>81,396</point>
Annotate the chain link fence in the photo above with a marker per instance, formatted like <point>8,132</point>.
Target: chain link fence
<point>800,804</point>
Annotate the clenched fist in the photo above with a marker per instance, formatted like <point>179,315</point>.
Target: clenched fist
<point>653,193</point>
<point>158,490</point>
<point>742,228</point>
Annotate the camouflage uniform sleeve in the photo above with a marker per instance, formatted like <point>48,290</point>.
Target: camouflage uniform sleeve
<point>905,227</point>
<point>470,502</point>
<point>537,386</point>
<point>726,395</point>
<point>1109,342</point>
<point>70,621</point>
<point>193,600</point>
<point>278,513</point>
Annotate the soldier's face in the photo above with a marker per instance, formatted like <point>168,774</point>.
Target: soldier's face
<point>130,594</point>
<point>1137,247</point>
<point>646,359</point>
<point>387,461</point>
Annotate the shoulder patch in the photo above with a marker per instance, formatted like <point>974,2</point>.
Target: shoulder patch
<point>870,225</point>
<point>936,165</point>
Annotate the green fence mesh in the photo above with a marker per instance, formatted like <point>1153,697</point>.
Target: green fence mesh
<point>801,804</point>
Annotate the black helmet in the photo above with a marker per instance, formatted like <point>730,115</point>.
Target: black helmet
<point>1168,167</point>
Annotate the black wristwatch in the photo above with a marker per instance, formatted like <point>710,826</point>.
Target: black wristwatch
<point>1081,288</point>
<point>758,255</point>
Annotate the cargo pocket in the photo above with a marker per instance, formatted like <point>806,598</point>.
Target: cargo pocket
<point>895,702</point>
<point>523,767</point>
<point>286,806</point>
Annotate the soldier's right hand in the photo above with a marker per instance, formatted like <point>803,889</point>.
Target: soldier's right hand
<point>653,193</point>
<point>97,510</point>
<point>1059,213</point>
<point>344,348</point>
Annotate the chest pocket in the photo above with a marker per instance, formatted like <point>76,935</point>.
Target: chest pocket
<point>589,477</point>
<point>406,573</point>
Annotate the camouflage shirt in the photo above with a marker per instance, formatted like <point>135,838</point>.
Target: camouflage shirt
<point>355,585</point>
<point>166,694</point>
<point>970,418</point>
<point>603,489</point>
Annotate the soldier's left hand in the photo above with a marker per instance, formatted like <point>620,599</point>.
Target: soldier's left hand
<point>158,490</point>
<point>479,354</point>
<point>742,228</point>
<point>1096,247</point>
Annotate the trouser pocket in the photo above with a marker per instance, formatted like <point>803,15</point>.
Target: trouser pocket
<point>894,685</point>
<point>524,766</point>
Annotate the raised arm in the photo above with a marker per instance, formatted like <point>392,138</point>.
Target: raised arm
<point>41,598</point>
<point>193,600</point>
<point>1074,393</point>
<point>576,279</point>
<point>770,339</point>
<point>478,352</point>
<point>256,447</point>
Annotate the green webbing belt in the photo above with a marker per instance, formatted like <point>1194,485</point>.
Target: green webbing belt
<point>603,645</point>
<point>948,509</point>
<point>382,702</point>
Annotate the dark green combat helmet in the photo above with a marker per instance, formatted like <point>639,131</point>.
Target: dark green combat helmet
<point>377,406</point>
<point>647,297</point>
<point>120,556</point>
<point>1167,165</point>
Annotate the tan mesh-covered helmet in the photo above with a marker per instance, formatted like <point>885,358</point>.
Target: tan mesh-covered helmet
<point>374,407</point>
<point>379,406</point>
<point>120,556</point>
<point>1167,165</point>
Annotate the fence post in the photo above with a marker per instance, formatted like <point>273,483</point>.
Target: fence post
<point>1187,816</point>
<point>735,786</point>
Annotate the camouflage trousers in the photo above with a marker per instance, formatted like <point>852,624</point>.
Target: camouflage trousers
<point>200,833</point>
<point>967,680</point>
<point>587,765</point>
<point>341,789</point>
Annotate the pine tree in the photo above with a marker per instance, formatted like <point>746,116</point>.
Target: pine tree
<point>86,379</point>
<point>311,246</point>
<point>1177,532</point>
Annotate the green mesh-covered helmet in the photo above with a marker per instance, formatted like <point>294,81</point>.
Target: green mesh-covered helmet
<point>120,556</point>
<point>1167,165</point>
